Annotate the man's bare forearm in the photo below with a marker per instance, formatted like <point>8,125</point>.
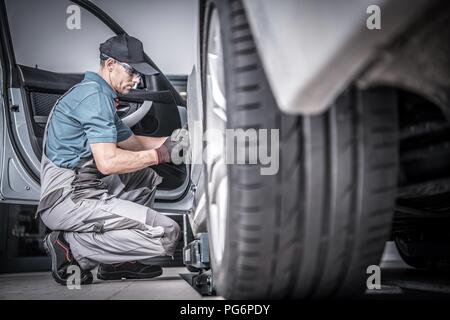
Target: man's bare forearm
<point>140,143</point>
<point>149,143</point>
<point>124,161</point>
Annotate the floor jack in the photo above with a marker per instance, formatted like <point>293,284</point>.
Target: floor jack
<point>196,260</point>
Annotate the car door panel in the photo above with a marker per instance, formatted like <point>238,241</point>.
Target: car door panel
<point>33,100</point>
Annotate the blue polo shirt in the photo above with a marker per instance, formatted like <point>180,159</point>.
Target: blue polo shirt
<point>84,116</point>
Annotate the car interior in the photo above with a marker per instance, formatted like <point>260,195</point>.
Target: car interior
<point>41,89</point>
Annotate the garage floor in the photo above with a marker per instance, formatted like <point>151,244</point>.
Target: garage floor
<point>40,285</point>
<point>398,282</point>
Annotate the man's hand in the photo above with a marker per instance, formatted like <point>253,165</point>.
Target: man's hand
<point>173,149</point>
<point>164,152</point>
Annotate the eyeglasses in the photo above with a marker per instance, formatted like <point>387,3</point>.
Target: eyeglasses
<point>129,69</point>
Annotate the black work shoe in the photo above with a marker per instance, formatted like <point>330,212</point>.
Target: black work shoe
<point>128,270</point>
<point>62,258</point>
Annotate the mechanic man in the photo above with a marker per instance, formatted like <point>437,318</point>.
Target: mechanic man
<point>97,187</point>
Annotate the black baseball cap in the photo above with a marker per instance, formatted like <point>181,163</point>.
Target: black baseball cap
<point>125,48</point>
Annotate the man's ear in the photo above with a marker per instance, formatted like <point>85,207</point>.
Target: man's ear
<point>109,63</point>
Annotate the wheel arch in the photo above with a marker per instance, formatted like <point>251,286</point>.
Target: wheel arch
<point>316,74</point>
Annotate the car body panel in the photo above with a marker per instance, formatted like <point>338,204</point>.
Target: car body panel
<point>312,50</point>
<point>20,125</point>
<point>15,183</point>
<point>197,216</point>
<point>2,128</point>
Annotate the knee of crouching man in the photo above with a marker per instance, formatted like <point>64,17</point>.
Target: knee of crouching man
<point>176,232</point>
<point>171,237</point>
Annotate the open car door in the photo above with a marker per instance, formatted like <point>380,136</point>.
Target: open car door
<point>29,91</point>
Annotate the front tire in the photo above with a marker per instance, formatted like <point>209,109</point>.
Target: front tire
<point>313,228</point>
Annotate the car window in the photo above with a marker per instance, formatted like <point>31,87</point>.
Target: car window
<point>51,35</point>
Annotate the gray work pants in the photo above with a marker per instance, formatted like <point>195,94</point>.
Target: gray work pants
<point>116,226</point>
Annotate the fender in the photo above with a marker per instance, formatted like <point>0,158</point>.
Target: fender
<point>312,50</point>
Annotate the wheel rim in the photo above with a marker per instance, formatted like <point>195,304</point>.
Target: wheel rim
<point>216,121</point>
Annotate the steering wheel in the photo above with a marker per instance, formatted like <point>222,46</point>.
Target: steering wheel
<point>133,118</point>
